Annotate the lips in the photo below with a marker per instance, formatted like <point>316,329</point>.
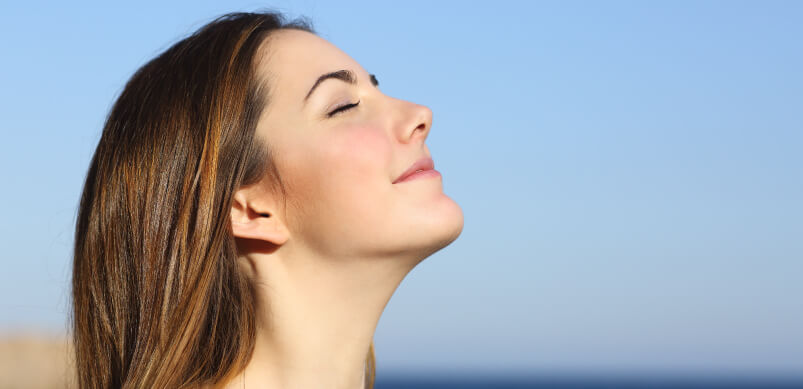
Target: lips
<point>425,163</point>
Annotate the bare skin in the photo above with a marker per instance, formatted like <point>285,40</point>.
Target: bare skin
<point>328,262</point>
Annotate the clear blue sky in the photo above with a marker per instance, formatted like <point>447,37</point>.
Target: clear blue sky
<point>631,173</point>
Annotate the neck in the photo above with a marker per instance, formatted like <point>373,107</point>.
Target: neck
<point>317,317</point>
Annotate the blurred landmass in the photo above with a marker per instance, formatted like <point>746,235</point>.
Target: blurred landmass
<point>33,361</point>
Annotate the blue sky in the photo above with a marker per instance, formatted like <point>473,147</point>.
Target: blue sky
<point>630,172</point>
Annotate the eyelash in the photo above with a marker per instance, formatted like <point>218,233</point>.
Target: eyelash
<point>342,108</point>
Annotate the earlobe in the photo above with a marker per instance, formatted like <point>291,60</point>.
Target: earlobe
<point>265,228</point>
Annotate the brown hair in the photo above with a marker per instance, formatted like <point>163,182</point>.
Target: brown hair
<point>158,300</point>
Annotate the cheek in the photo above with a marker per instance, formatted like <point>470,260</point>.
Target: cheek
<point>346,187</point>
<point>348,170</point>
<point>354,168</point>
<point>355,156</point>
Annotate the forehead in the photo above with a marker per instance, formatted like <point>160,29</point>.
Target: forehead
<point>292,60</point>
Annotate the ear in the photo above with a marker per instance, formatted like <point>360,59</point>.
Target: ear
<point>254,216</point>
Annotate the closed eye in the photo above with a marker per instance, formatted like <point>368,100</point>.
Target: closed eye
<point>342,108</point>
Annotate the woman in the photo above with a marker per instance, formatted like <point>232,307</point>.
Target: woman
<point>253,203</point>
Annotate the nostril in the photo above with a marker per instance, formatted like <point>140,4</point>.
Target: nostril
<point>421,128</point>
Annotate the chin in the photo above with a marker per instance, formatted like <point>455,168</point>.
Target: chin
<point>439,229</point>
<point>416,235</point>
<point>453,228</point>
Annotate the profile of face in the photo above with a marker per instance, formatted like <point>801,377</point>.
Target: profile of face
<point>339,160</point>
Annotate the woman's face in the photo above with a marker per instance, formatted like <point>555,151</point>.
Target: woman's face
<point>339,170</point>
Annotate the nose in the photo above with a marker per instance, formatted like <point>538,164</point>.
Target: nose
<point>415,122</point>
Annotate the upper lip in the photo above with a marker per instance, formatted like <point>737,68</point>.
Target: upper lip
<point>425,163</point>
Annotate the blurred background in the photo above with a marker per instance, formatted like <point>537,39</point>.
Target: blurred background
<point>630,173</point>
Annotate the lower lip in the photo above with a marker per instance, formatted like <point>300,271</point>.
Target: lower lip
<point>421,174</point>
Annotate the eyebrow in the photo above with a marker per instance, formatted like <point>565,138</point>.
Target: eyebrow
<point>343,75</point>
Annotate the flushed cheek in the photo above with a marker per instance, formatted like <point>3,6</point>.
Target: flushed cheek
<point>353,189</point>
<point>356,181</point>
<point>358,156</point>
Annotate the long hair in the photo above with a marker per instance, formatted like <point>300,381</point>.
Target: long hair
<point>158,300</point>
